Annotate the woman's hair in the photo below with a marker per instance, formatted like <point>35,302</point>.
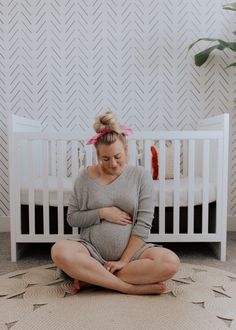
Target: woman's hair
<point>110,122</point>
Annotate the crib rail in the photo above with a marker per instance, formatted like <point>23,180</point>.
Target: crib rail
<point>53,152</point>
<point>42,157</point>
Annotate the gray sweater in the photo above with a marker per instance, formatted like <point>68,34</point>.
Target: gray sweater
<point>132,192</point>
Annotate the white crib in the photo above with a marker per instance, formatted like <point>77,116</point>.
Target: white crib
<point>191,207</point>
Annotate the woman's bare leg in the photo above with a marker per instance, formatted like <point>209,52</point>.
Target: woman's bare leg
<point>74,259</point>
<point>156,264</point>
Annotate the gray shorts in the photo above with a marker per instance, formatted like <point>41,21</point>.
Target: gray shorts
<point>96,255</point>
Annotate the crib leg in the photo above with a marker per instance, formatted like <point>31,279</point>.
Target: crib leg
<point>219,248</point>
<point>17,250</point>
<point>13,251</point>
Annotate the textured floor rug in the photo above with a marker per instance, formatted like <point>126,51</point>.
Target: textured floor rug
<point>198,297</point>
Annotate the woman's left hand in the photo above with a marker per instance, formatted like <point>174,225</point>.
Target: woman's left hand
<point>113,266</point>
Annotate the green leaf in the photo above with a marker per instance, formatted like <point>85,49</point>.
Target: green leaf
<point>202,57</point>
<point>230,6</point>
<point>223,43</point>
<point>231,46</point>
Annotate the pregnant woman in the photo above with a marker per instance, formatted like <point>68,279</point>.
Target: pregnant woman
<point>113,205</point>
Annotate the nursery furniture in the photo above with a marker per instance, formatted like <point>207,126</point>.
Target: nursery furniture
<point>190,194</point>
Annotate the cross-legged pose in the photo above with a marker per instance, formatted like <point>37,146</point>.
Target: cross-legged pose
<point>113,205</point>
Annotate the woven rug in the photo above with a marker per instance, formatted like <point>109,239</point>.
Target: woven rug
<point>198,297</point>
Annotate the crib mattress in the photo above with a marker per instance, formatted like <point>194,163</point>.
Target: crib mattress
<point>183,193</point>
<point>53,191</point>
<point>169,191</point>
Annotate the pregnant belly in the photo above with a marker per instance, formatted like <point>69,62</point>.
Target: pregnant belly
<point>110,239</point>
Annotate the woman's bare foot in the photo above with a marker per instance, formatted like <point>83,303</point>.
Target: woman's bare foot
<point>155,288</point>
<point>135,289</point>
<point>78,285</point>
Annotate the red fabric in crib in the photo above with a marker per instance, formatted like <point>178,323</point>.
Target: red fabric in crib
<point>155,165</point>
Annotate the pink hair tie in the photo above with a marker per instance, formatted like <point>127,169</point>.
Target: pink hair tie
<point>125,130</point>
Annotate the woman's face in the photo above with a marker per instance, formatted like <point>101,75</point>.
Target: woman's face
<point>113,157</point>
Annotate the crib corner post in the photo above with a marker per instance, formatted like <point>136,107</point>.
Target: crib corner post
<point>219,249</point>
<point>13,251</point>
<point>17,249</point>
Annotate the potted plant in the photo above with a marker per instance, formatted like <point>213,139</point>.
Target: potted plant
<point>201,58</point>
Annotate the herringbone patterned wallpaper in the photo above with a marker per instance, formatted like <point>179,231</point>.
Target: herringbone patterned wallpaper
<point>65,61</point>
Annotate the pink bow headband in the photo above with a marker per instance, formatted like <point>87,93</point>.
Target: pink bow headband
<point>125,130</point>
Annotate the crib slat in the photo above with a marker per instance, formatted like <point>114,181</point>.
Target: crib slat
<point>147,154</point>
<point>17,201</point>
<point>74,230</point>
<point>94,156</point>
<point>82,158</point>
<point>220,161</point>
<point>162,162</point>
<point>53,157</point>
<point>132,152</point>
<point>45,188</point>
<point>60,204</point>
<point>191,169</point>
<point>185,157</point>
<point>88,155</point>
<point>31,166</point>
<point>74,158</point>
<point>205,192</point>
<point>176,144</point>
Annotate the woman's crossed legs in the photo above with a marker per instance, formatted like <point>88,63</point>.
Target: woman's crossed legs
<point>142,276</point>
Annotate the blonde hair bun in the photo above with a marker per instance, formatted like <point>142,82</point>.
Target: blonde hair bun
<point>107,120</point>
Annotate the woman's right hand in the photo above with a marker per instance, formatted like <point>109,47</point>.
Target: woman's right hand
<point>115,215</point>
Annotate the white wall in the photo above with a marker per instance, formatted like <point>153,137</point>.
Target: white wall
<point>63,62</point>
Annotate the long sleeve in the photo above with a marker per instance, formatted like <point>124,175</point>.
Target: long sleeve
<point>130,192</point>
<point>78,216</point>
<point>145,207</point>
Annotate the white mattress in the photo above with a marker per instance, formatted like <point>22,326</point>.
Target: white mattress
<point>183,193</point>
<point>169,189</point>
<point>53,188</point>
